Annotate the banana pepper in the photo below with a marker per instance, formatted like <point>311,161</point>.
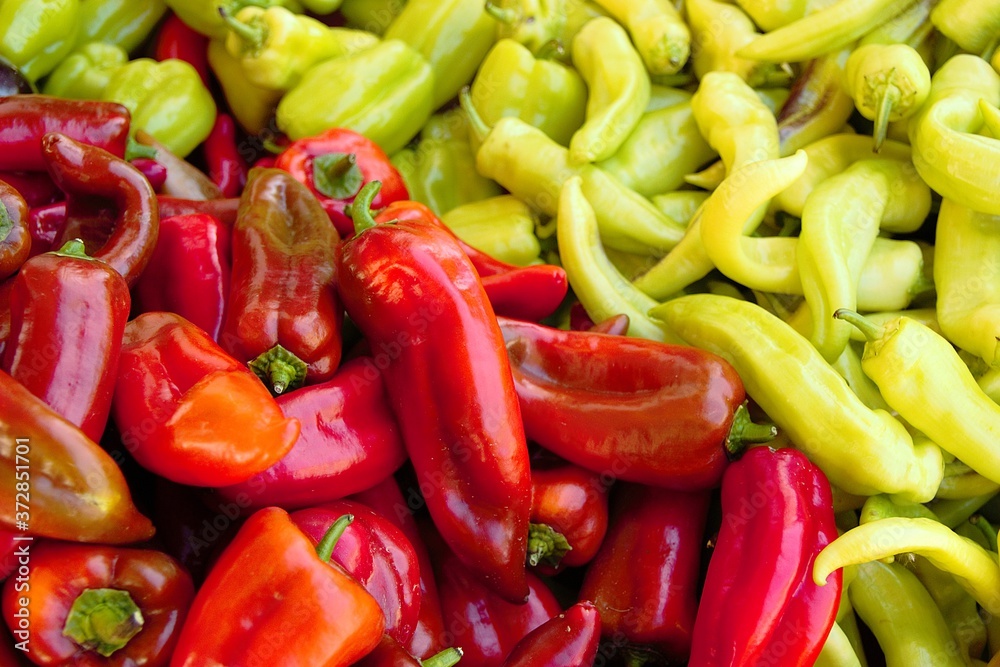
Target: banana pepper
<point>84,74</point>
<point>124,23</point>
<point>251,106</point>
<point>503,227</point>
<point>972,24</point>
<point>36,34</point>
<point>206,17</point>
<point>373,16</point>
<point>532,23</point>
<point>718,30</point>
<point>660,34</point>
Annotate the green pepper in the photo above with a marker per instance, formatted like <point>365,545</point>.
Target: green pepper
<point>321,7</point>
<point>660,34</point>
<point>972,24</point>
<point>385,93</point>
<point>251,106</point>
<point>167,99</point>
<point>718,29</point>
<point>893,275</point>
<point>542,93</point>
<point>452,35</point>
<point>837,650</point>
<point>502,226</point>
<point>374,16</point>
<point>532,23</point>
<point>206,16</point>
<point>124,23</point>
<point>772,14</point>
<point>84,74</point>
<point>36,34</point>
<point>680,205</point>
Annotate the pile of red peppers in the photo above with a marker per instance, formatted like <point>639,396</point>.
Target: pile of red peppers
<point>301,423</point>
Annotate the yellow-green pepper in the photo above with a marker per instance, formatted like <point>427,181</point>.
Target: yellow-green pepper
<point>206,16</point>
<point>374,16</point>
<point>124,23</point>
<point>502,226</point>
<point>252,106</point>
<point>660,34</point>
<point>533,23</point>
<point>84,74</point>
<point>718,29</point>
<point>772,14</point>
<point>972,24</point>
<point>36,34</point>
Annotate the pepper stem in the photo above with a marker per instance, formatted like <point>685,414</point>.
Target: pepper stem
<point>6,225</point>
<point>870,330</point>
<point>504,15</point>
<point>987,529</point>
<point>887,100</point>
<point>744,432</point>
<point>361,207</point>
<point>103,620</point>
<point>253,36</point>
<point>546,545</point>
<point>280,370</point>
<point>551,50</point>
<point>476,123</point>
<point>73,248</point>
<point>325,547</point>
<point>446,658</point>
<point>135,150</point>
<point>337,175</point>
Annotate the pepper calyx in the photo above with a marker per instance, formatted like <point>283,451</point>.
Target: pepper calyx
<point>279,370</point>
<point>546,545</point>
<point>361,208</point>
<point>745,431</point>
<point>337,175</point>
<point>103,620</point>
<point>253,35</point>
<point>6,224</point>
<point>73,248</point>
<point>325,547</point>
<point>446,658</point>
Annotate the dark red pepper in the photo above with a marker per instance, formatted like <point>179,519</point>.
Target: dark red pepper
<point>15,237</point>
<point>36,187</point>
<point>415,295</point>
<point>154,172</point>
<point>226,166</point>
<point>176,39</point>
<point>390,653</point>
<point>571,638</point>
<point>189,271</point>
<point>8,557</point>
<point>45,224</point>
<point>223,209</point>
<point>777,514</point>
<point>68,315</point>
<point>616,325</point>
<point>6,287</point>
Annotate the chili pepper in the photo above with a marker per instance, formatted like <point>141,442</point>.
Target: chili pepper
<point>817,105</point>
<point>837,650</point>
<point>503,227</point>
<point>35,46</point>
<point>85,172</point>
<point>718,31</point>
<point>530,293</point>
<point>155,172</point>
<point>862,451</point>
<point>335,164</point>
<point>183,179</point>
<point>206,19</point>
<point>472,451</point>
<point>608,424</point>
<point>567,639</point>
<point>77,491</point>
<point>366,88</point>
<point>377,554</point>
<point>124,605</point>
<point>661,36</point>
<point>222,209</point>
<point>176,40</point>
<point>316,599</point>
<point>569,509</point>
<point>225,164</point>
<point>282,315</point>
<point>15,238</point>
<point>972,25</point>
<point>644,578</point>
<point>173,384</point>
<point>961,482</point>
<point>252,106</point>
<point>534,24</point>
<point>770,15</point>
<point>84,74</point>
<point>390,653</point>
<point>36,188</point>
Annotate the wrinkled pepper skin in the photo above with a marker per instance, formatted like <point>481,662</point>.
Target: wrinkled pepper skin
<point>573,502</point>
<point>157,586</point>
<point>68,315</point>
<point>174,386</point>
<point>571,638</point>
<point>77,492</point>
<point>15,237</point>
<point>349,441</point>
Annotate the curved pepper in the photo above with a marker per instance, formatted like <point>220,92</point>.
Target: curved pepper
<point>77,491</point>
<point>98,605</point>
<point>661,36</point>
<point>771,15</point>
<point>33,45</point>
<point>529,293</point>
<point>224,162</point>
<point>569,509</point>
<point>173,384</point>
<point>84,74</point>
<point>569,638</point>
<point>15,237</point>
<point>817,103</point>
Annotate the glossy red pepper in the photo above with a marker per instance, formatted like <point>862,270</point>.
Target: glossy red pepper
<point>87,172</point>
<point>616,325</point>
<point>571,638</point>
<point>15,237</point>
<point>631,408</point>
<point>189,271</point>
<point>6,287</point>
<point>36,187</point>
<point>155,172</point>
<point>191,413</point>
<point>644,579</point>
<point>8,557</point>
<point>335,165</point>
<point>377,554</point>
<point>176,39</point>
<point>68,315</point>
<point>96,605</point>
<point>226,166</point>
<point>77,492</point>
<point>25,119</point>
<point>777,513</point>
<point>283,315</point>
<point>390,653</point>
<point>223,209</point>
<point>349,441</point>
<point>415,295</point>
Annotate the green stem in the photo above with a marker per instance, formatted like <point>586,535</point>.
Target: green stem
<point>745,431</point>
<point>886,102</point>
<point>280,370</point>
<point>446,658</point>
<point>551,50</point>
<point>73,248</point>
<point>988,531</point>
<point>871,331</point>
<point>133,150</point>
<point>6,225</point>
<point>337,175</point>
<point>361,207</point>
<point>476,123</point>
<point>253,36</point>
<point>325,547</point>
<point>103,620</point>
<point>504,15</point>
<point>546,545</point>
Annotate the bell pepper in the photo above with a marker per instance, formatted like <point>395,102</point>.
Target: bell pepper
<point>569,638</point>
<point>363,92</point>
<point>124,23</point>
<point>99,605</point>
<point>15,238</point>
<point>471,456</point>
<point>283,316</point>
<point>321,615</point>
<point>224,161</point>
<point>84,74</point>
<point>176,39</point>
<point>377,554</point>
<point>661,36</point>
<point>390,653</point>
<point>503,227</point>
<point>375,16</point>
<point>348,442</point>
<point>334,165</point>
<point>252,106</point>
<point>87,173</point>
<point>777,510</point>
<point>77,492</point>
<point>173,383</point>
<point>206,19</point>
<point>37,34</point>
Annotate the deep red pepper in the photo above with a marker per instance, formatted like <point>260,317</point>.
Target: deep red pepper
<point>349,441</point>
<point>6,287</point>
<point>45,224</point>
<point>644,579</point>
<point>223,209</point>
<point>635,409</point>
<point>15,237</point>
<point>191,413</point>
<point>377,554</point>
<point>777,513</point>
<point>283,313</point>
<point>86,173</point>
<point>390,653</point>
<point>189,271</point>
<point>616,325</point>
<point>68,315</point>
<point>25,119</point>
<point>335,165</point>
<point>415,295</point>
<point>36,187</point>
<point>100,606</point>
<point>177,40</point>
<point>154,172</point>
<point>226,167</point>
<point>8,557</point>
<point>571,638</point>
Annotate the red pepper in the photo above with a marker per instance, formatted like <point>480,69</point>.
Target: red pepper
<point>177,40</point>
<point>189,271</point>
<point>377,554</point>
<point>616,325</point>
<point>571,638</point>
<point>283,314</point>
<point>154,172</point>
<point>188,411</point>
<point>644,579</point>
<point>45,224</point>
<point>95,605</point>
<point>226,166</point>
<point>335,165</point>
<point>8,558</point>
<point>415,295</point>
<point>635,409</point>
<point>86,172</point>
<point>36,187</point>
<point>273,599</point>
<point>77,492</point>
<point>390,653</point>
<point>25,119</point>
<point>777,513</point>
<point>68,315</point>
<point>6,287</point>
<point>223,209</point>
<point>15,237</point>
<point>349,441</point>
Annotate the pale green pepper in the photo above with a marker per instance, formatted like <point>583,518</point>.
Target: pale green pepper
<point>503,227</point>
<point>84,74</point>
<point>36,34</point>
<point>124,23</point>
